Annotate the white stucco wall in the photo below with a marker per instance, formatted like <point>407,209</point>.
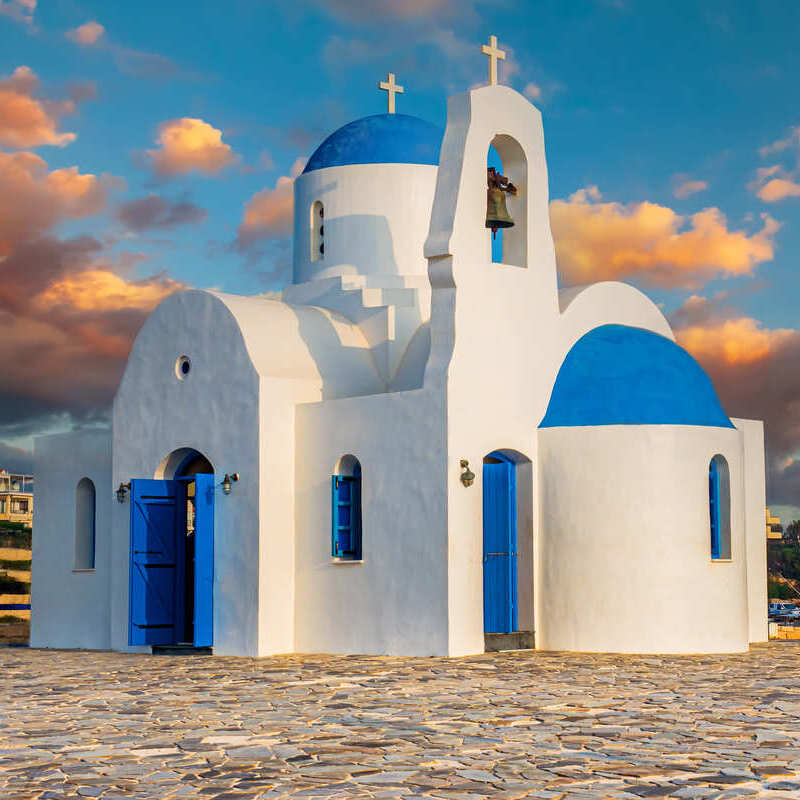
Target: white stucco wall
<point>252,360</point>
<point>395,602</point>
<point>755,527</point>
<point>69,607</point>
<point>624,557</point>
<point>499,332</point>
<point>376,219</point>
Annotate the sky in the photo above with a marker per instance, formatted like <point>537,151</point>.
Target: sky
<point>148,147</point>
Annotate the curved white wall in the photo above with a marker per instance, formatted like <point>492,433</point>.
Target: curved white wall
<point>624,553</point>
<point>376,219</point>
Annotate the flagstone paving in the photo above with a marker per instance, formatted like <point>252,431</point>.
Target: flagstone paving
<point>508,725</point>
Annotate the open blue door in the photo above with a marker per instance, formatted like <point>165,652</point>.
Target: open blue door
<point>499,545</point>
<point>204,561</point>
<point>155,604</point>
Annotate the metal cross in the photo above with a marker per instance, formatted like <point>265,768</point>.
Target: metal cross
<point>494,54</point>
<point>391,88</point>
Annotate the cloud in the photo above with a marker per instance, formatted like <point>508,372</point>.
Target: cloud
<point>532,91</point>
<point>382,10</point>
<point>774,183</point>
<point>153,211</point>
<point>69,318</point>
<point>778,189</point>
<point>611,241</point>
<point>793,139</point>
<point>268,213</point>
<point>87,34</point>
<point>190,145</point>
<point>26,121</point>
<point>15,459</point>
<point>754,370</point>
<point>34,199</point>
<point>686,188</point>
<point>20,10</point>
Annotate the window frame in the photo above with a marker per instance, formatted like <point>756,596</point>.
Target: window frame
<point>354,506</point>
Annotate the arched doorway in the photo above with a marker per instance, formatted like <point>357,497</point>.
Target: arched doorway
<point>507,549</point>
<point>172,553</point>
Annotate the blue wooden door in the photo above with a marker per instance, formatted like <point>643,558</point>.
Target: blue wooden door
<point>499,545</point>
<point>204,561</point>
<point>155,602</point>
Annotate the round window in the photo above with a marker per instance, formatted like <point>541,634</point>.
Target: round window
<point>182,367</point>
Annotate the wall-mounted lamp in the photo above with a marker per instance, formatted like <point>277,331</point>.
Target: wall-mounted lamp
<point>467,476</point>
<point>123,489</point>
<point>228,481</point>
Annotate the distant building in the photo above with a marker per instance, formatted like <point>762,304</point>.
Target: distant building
<point>774,529</point>
<point>16,498</point>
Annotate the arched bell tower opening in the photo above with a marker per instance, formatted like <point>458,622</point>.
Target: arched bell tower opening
<point>507,158</point>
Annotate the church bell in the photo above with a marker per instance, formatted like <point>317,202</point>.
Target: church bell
<point>497,215</point>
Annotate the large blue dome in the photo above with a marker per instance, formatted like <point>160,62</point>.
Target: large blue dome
<point>618,375</point>
<point>380,139</point>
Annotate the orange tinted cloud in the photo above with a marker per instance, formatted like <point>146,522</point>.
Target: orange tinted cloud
<point>86,34</point>
<point>33,199</point>
<point>611,241</point>
<point>686,188</point>
<point>190,145</point>
<point>268,213</point>
<point>734,341</point>
<point>779,189</point>
<point>26,121</point>
<point>99,289</point>
<point>20,10</point>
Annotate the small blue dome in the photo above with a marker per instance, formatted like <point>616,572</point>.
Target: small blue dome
<point>618,375</point>
<point>380,139</point>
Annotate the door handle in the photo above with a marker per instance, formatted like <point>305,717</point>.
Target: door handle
<point>148,552</point>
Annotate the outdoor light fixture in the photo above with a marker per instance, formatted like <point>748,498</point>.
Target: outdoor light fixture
<point>228,481</point>
<point>467,476</point>
<point>120,493</point>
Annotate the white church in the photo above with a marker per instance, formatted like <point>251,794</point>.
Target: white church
<point>425,447</point>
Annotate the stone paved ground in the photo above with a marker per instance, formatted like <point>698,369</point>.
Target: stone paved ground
<point>526,724</point>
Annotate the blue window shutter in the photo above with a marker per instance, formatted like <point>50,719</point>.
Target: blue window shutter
<point>346,516</point>
<point>713,507</point>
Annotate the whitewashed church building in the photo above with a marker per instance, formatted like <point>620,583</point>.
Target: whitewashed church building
<point>423,444</point>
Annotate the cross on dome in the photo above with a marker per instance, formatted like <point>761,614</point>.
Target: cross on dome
<point>494,54</point>
<point>391,88</point>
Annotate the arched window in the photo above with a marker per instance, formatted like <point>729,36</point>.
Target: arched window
<point>317,231</point>
<point>84,524</point>
<point>346,510</point>
<point>719,507</point>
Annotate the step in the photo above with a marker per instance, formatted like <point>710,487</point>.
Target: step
<point>518,640</point>
<point>180,650</point>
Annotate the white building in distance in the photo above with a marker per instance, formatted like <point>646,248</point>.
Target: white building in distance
<point>431,446</point>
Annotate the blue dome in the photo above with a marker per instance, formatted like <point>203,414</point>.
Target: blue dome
<point>618,375</point>
<point>380,139</point>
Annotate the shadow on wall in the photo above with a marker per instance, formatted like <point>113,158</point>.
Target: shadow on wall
<point>374,244</point>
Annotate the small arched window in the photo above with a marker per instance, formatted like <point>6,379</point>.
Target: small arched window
<point>719,507</point>
<point>84,524</point>
<point>317,231</point>
<point>346,510</point>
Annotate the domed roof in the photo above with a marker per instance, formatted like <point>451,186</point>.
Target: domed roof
<point>618,375</point>
<point>380,139</point>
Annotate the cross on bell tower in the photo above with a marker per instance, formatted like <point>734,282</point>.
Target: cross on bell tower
<point>495,55</point>
<point>391,88</point>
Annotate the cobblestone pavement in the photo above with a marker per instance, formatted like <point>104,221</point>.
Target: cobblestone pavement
<point>523,724</point>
